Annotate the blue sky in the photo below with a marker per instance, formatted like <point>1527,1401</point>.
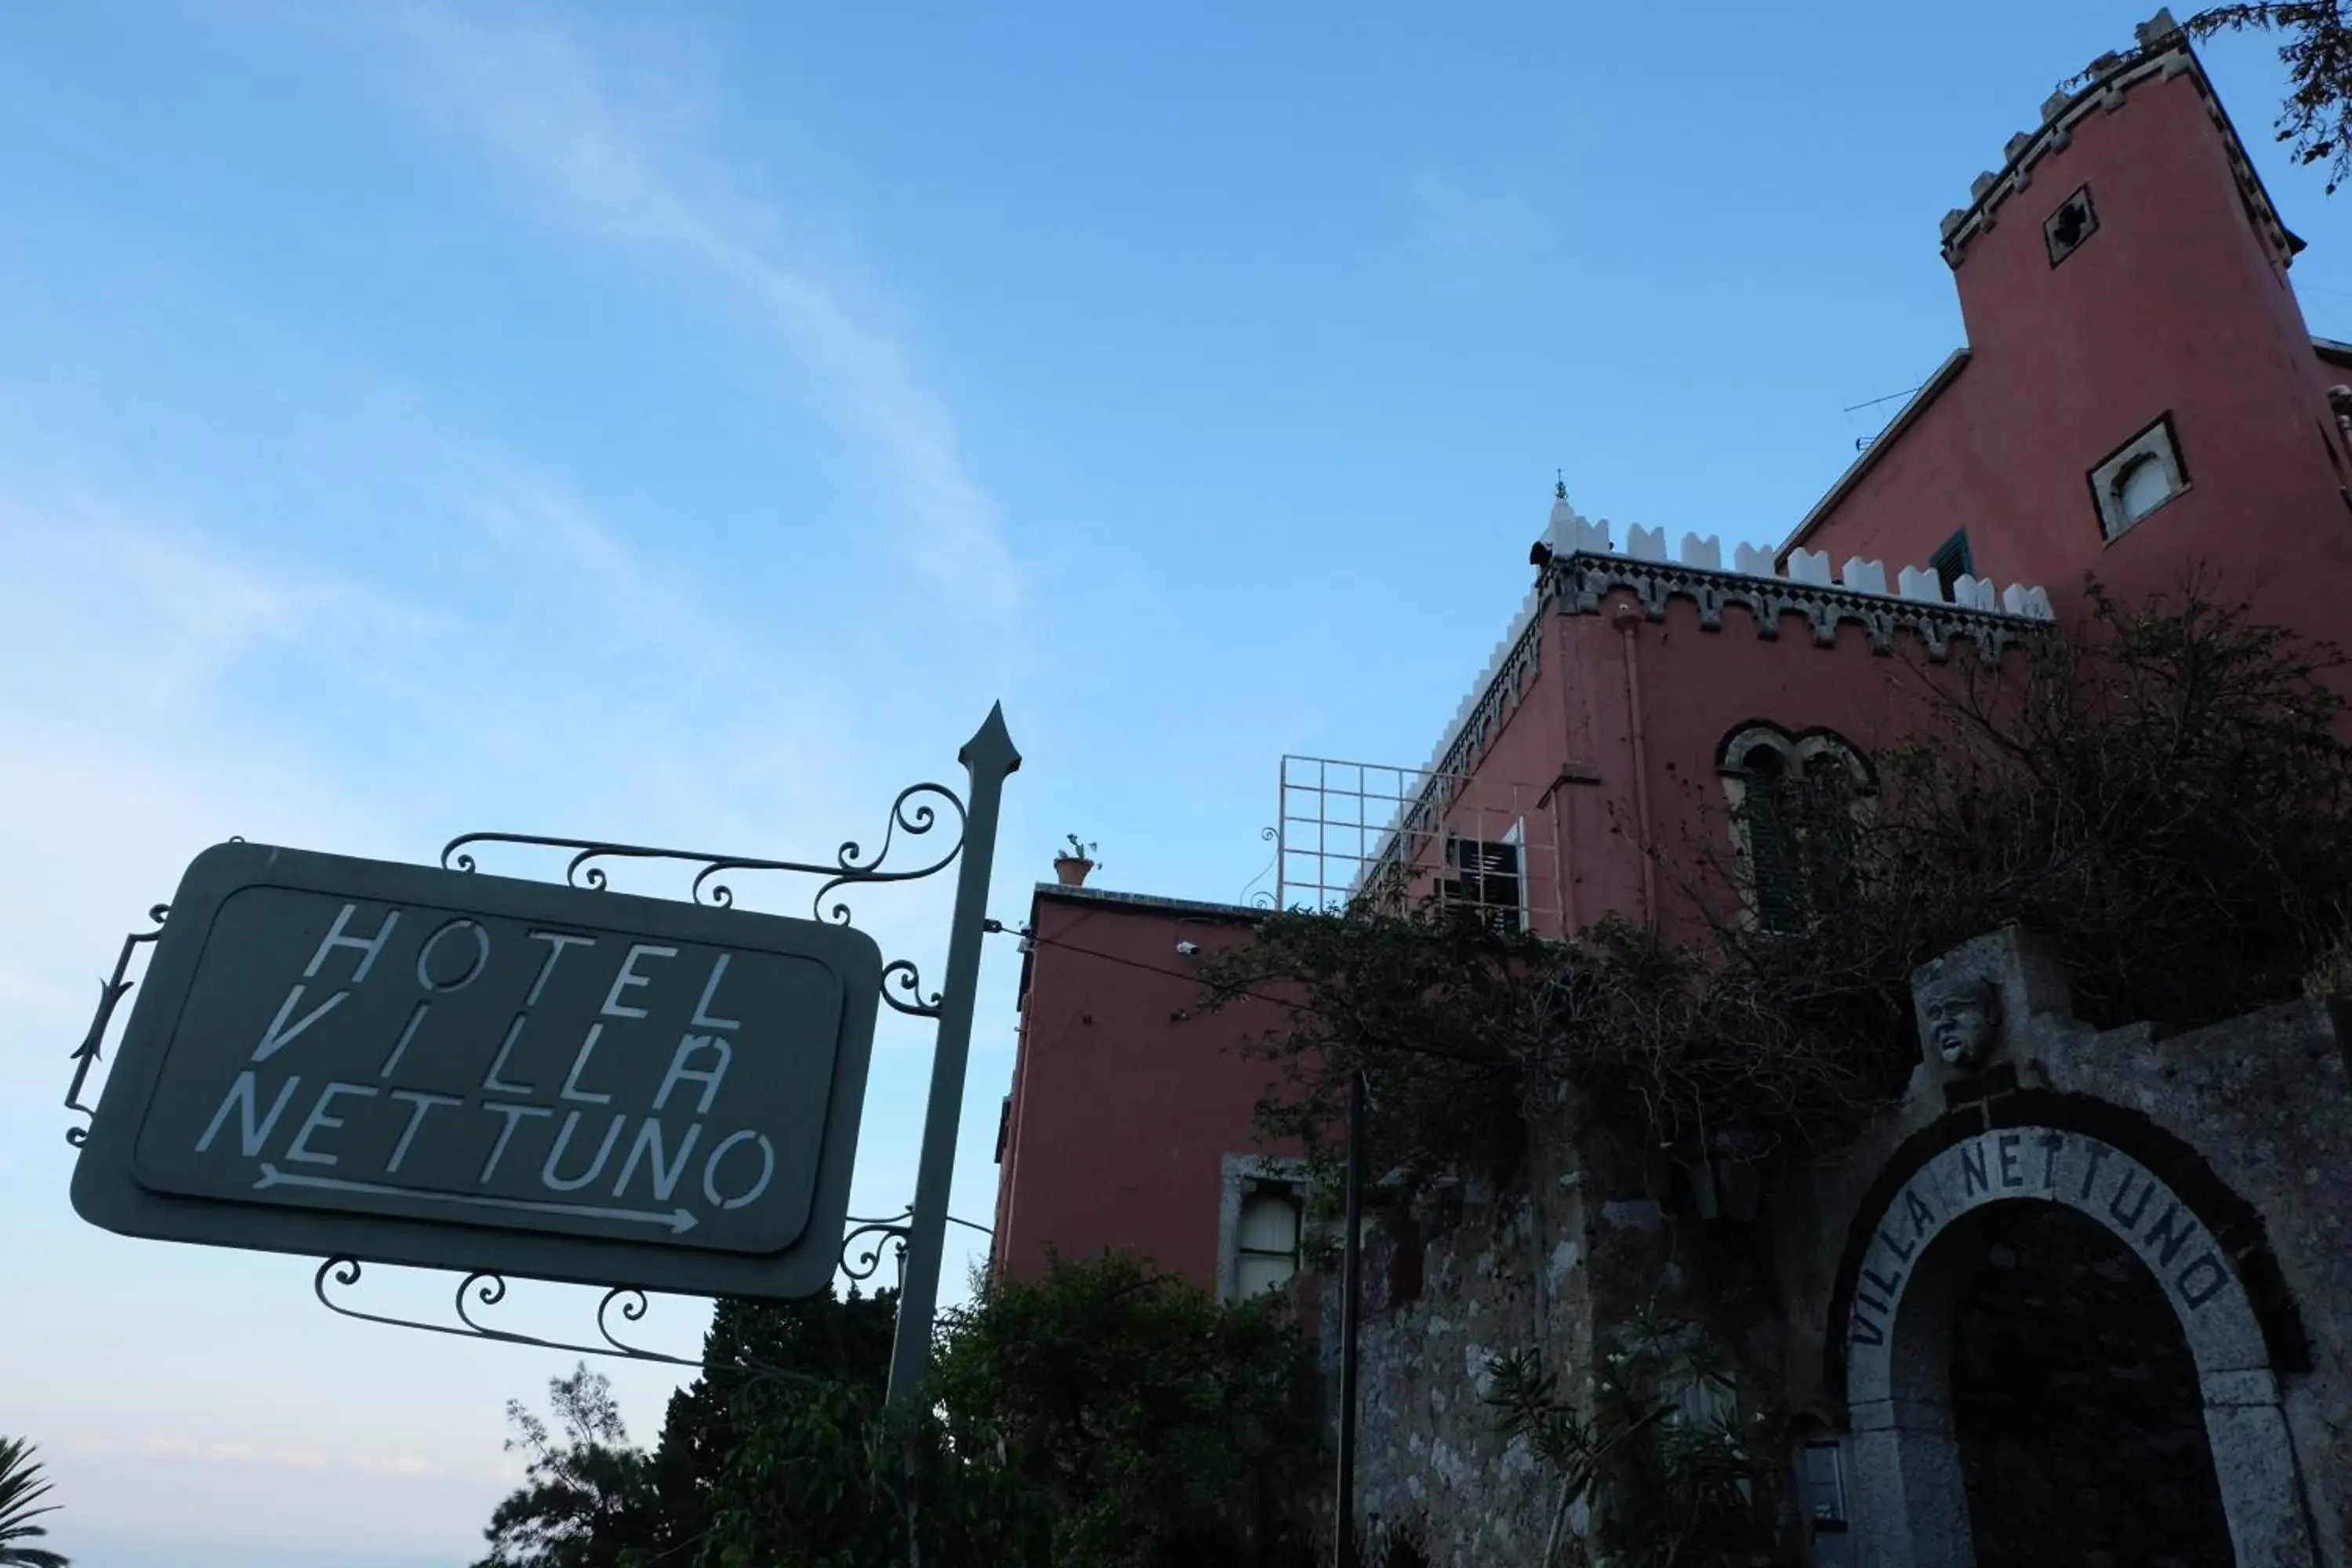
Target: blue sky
<point>679,424</point>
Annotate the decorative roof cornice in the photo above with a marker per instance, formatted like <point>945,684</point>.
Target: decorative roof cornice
<point>2163,53</point>
<point>1580,581</point>
<point>1499,689</point>
<point>1583,565</point>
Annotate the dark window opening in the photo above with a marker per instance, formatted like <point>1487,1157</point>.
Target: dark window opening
<point>1952,562</point>
<point>2075,221</point>
<point>1800,834</point>
<point>1771,852</point>
<point>1487,886</point>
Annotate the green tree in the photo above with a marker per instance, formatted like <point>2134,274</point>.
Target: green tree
<point>589,1498</point>
<point>763,1362</point>
<point>1129,1416</point>
<point>21,1487</point>
<point>1105,1415</point>
<point>2315,46</point>
<point>1672,1474</point>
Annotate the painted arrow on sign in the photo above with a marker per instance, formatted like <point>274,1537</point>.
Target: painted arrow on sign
<point>678,1221</point>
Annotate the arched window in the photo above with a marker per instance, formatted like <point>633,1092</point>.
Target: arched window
<point>2137,478</point>
<point>1796,804</point>
<point>1771,847</point>
<point>2142,487</point>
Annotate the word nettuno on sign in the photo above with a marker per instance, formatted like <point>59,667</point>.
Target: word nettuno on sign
<point>405,1065</point>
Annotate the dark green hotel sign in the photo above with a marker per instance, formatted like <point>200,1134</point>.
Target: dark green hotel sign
<point>405,1065</point>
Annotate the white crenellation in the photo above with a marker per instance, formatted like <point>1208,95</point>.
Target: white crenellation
<point>1584,567</point>
<point>1570,531</point>
<point>1706,554</point>
<point>1863,576</point>
<point>1918,583</point>
<point>2161,52</point>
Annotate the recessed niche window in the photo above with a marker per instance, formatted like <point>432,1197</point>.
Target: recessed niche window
<point>1265,1253</point>
<point>2138,478</point>
<point>1952,562</point>
<point>2075,221</point>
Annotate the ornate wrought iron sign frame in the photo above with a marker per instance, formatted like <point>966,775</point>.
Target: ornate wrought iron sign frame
<point>917,1236</point>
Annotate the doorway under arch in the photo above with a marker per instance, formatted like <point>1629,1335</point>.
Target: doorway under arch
<point>1911,1277</point>
<point>2075,1402</point>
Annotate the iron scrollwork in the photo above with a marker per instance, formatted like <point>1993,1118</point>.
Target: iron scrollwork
<point>919,811</point>
<point>111,993</point>
<point>900,974</point>
<point>891,1232</point>
<point>1259,898</point>
<point>885,1232</point>
<point>913,813</point>
<point>483,1288</point>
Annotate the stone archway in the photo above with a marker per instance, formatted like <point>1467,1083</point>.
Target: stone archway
<point>1910,1504</point>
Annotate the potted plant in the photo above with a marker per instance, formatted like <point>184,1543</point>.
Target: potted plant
<point>1072,865</point>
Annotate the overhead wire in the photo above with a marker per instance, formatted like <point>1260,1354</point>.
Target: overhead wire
<point>997,927</point>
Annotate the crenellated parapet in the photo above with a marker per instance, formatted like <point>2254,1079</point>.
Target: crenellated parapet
<point>1856,587</point>
<point>1584,567</point>
<point>2161,52</point>
<point>1580,582</point>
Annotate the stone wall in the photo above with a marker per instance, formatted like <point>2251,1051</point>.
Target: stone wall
<point>2267,1101</point>
<point>2257,1112</point>
<point>1590,1231</point>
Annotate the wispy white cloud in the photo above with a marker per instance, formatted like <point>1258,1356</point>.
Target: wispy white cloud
<point>409,629</point>
<point>536,97</point>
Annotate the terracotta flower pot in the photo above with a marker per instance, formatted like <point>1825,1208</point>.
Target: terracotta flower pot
<point>1072,869</point>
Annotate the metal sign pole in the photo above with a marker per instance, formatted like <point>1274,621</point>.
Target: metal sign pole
<point>1351,1311</point>
<point>988,758</point>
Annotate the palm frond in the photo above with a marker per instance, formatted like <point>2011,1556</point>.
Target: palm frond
<point>22,1486</point>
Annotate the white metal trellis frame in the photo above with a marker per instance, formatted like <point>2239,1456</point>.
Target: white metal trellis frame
<point>1346,828</point>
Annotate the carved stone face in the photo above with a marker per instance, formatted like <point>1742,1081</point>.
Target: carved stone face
<point>1963,1019</point>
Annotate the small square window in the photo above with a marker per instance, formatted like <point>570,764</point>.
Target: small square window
<point>1488,883</point>
<point>2140,475</point>
<point>2075,221</point>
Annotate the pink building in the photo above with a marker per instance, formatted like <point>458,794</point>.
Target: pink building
<point>2138,397</point>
